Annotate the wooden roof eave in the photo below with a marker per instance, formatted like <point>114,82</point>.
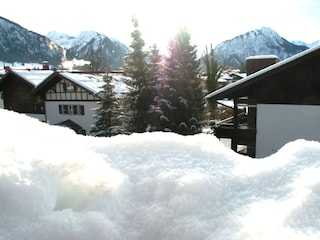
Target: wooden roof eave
<point>240,87</point>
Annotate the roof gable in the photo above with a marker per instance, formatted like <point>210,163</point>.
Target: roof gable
<point>31,77</point>
<point>237,89</point>
<point>90,82</point>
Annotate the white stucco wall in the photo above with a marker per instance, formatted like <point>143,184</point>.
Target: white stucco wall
<point>85,121</point>
<point>279,124</point>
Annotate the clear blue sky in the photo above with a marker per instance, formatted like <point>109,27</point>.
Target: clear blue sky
<point>208,21</point>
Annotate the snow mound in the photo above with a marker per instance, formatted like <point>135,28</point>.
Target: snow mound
<point>55,184</point>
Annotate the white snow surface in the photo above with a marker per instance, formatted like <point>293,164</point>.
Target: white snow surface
<point>94,82</point>
<point>55,184</point>
<point>34,77</point>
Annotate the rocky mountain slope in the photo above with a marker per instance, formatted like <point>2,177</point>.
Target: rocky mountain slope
<point>265,41</point>
<point>97,48</point>
<point>18,44</point>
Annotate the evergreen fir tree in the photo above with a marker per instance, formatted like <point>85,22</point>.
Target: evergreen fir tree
<point>184,102</point>
<point>141,97</point>
<point>107,116</point>
<point>156,76</point>
<point>213,73</point>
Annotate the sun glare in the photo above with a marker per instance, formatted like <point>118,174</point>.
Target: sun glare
<point>159,26</point>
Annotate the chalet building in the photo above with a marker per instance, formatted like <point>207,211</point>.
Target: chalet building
<point>71,99</point>
<point>58,97</point>
<point>15,88</point>
<point>281,102</point>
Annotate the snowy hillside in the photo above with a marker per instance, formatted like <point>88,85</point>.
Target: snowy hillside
<point>309,45</point>
<point>264,41</point>
<point>63,39</point>
<point>17,44</point>
<point>58,185</point>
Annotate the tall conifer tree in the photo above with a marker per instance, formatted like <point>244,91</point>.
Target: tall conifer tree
<point>142,89</point>
<point>184,104</point>
<point>137,68</point>
<point>156,76</point>
<point>107,116</point>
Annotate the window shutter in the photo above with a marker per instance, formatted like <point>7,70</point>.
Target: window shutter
<point>81,110</point>
<point>65,109</point>
<point>75,109</point>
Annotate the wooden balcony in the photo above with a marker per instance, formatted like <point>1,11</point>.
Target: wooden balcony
<point>240,135</point>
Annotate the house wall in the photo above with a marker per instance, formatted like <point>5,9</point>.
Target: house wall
<point>278,124</point>
<point>16,95</point>
<point>56,115</point>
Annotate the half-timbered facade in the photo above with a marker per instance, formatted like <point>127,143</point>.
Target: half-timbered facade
<point>282,103</point>
<point>71,97</point>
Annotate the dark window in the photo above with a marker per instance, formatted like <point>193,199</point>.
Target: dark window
<point>75,109</point>
<point>81,109</point>
<point>65,109</point>
<point>71,109</point>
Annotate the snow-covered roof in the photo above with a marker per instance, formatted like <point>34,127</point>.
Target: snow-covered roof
<point>94,82</point>
<point>259,75</point>
<point>91,82</point>
<point>33,77</point>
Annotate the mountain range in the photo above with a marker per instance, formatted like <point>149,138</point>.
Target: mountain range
<point>18,44</point>
<point>94,47</point>
<point>265,41</point>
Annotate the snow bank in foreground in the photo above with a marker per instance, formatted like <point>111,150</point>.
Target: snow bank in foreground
<point>57,185</point>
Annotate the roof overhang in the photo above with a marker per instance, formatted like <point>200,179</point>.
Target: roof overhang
<point>237,89</point>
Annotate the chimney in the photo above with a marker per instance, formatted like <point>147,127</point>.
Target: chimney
<point>6,68</point>
<point>45,65</point>
<point>256,63</point>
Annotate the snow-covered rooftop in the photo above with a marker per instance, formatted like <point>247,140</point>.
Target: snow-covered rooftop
<point>91,82</point>
<point>94,82</point>
<point>151,186</point>
<point>34,77</point>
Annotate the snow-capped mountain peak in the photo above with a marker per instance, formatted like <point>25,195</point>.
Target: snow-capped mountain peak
<point>264,41</point>
<point>90,44</point>
<point>63,39</point>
